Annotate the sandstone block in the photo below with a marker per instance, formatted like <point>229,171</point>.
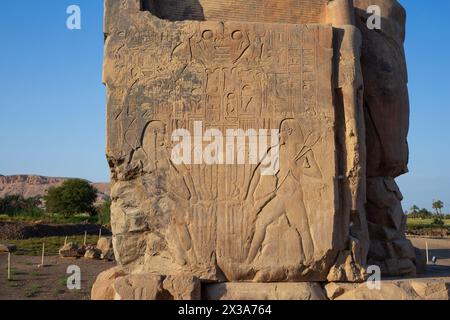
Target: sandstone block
<point>115,284</point>
<point>232,222</point>
<point>70,250</point>
<point>102,288</point>
<point>408,289</point>
<point>386,101</point>
<point>328,97</point>
<point>432,289</point>
<point>264,291</point>
<point>389,247</point>
<point>139,287</point>
<point>105,245</point>
<point>386,113</point>
<point>183,287</point>
<point>151,287</point>
<point>286,11</point>
<point>92,253</point>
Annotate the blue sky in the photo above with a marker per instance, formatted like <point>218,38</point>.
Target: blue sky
<point>52,102</point>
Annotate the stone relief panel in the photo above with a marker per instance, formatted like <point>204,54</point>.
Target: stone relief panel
<point>222,221</point>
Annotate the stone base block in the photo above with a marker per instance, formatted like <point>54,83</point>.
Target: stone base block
<point>115,284</point>
<point>407,289</point>
<point>264,291</point>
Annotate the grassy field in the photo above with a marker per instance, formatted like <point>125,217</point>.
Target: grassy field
<point>51,218</point>
<point>33,247</point>
<point>424,223</point>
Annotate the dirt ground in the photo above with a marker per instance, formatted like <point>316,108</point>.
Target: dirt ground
<point>49,283</point>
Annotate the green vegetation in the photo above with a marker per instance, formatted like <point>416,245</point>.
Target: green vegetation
<point>62,282</point>
<point>104,213</point>
<point>33,247</point>
<point>438,205</point>
<point>424,220</point>
<point>15,205</point>
<point>72,197</point>
<point>15,272</point>
<point>58,291</point>
<point>103,217</point>
<point>53,218</point>
<point>427,217</point>
<point>72,202</point>
<point>416,213</point>
<point>32,291</point>
<point>60,287</point>
<point>35,273</point>
<point>425,223</point>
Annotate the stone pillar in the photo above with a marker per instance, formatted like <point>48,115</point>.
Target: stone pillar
<point>348,86</point>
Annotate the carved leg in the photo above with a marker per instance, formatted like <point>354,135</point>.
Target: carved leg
<point>268,215</point>
<point>296,213</point>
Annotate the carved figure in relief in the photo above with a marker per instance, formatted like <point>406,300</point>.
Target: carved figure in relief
<point>296,161</point>
<point>175,181</point>
<point>154,146</point>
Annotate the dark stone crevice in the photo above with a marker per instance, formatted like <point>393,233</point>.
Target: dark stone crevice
<point>174,10</point>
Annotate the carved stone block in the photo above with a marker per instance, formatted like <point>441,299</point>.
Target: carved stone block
<point>237,146</point>
<point>230,221</point>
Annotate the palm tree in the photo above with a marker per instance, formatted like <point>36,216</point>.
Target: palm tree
<point>438,205</point>
<point>414,210</point>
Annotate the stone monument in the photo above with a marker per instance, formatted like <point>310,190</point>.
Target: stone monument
<point>253,141</point>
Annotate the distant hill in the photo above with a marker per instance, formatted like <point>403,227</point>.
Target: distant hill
<point>33,185</point>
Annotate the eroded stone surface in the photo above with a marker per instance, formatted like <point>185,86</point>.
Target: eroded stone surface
<point>286,11</point>
<point>264,291</point>
<point>105,245</point>
<point>92,253</point>
<point>139,287</point>
<point>312,83</point>
<point>115,284</point>
<point>386,111</point>
<point>102,288</point>
<point>386,102</point>
<point>229,222</point>
<point>71,250</point>
<point>389,247</point>
<point>183,287</point>
<point>414,289</point>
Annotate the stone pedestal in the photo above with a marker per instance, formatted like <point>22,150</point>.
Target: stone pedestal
<point>114,284</point>
<point>237,135</point>
<point>407,289</point>
<point>264,291</point>
<point>290,90</point>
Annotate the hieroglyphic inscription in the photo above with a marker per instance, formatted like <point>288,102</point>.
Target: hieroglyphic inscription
<point>231,75</point>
